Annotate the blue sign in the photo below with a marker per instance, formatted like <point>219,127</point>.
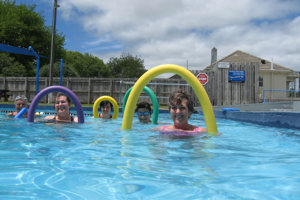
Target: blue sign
<point>236,76</point>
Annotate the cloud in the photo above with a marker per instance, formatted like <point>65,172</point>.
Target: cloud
<point>185,31</point>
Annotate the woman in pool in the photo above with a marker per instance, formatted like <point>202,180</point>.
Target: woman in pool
<point>62,107</point>
<point>20,102</point>
<point>143,110</point>
<point>181,108</point>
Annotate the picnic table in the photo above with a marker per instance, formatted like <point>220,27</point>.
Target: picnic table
<point>4,94</point>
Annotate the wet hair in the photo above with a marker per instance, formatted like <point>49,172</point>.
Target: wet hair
<point>59,94</point>
<point>177,97</point>
<point>143,105</point>
<point>105,103</point>
<point>22,98</point>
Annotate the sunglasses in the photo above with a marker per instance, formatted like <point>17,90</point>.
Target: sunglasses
<point>21,104</point>
<point>143,113</point>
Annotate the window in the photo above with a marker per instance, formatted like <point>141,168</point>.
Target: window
<point>260,81</point>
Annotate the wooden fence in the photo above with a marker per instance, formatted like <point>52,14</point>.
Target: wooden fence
<point>218,88</point>
<point>88,90</point>
<point>232,93</point>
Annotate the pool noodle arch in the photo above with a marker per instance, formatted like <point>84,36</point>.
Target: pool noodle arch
<point>55,88</point>
<point>106,98</point>
<point>153,99</point>
<point>188,76</point>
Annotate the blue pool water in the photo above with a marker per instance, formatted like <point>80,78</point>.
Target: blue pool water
<point>98,160</point>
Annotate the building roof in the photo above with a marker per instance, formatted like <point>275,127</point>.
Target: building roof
<point>240,56</point>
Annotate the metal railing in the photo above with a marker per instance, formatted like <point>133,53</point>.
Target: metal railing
<point>280,95</point>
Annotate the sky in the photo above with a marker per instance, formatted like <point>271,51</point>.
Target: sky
<point>180,32</point>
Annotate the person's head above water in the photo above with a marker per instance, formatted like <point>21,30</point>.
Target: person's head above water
<point>106,108</point>
<point>181,108</point>
<point>60,94</point>
<point>177,97</point>
<point>143,110</point>
<point>20,102</point>
<point>62,107</point>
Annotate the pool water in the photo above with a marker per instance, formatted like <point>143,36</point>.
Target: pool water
<point>98,160</point>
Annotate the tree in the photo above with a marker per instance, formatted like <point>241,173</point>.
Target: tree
<point>87,65</point>
<point>14,70</point>
<point>126,66</point>
<point>68,71</point>
<point>5,61</point>
<point>21,26</point>
<point>10,67</point>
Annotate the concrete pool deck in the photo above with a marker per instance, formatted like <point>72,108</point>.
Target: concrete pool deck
<point>283,114</point>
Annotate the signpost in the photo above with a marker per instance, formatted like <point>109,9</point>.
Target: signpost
<point>203,78</point>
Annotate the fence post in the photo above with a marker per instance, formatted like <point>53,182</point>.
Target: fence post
<point>68,82</point>
<point>26,87</point>
<point>46,83</point>
<point>111,87</point>
<point>120,95</point>
<point>4,83</point>
<point>264,101</point>
<point>158,93</point>
<point>89,91</point>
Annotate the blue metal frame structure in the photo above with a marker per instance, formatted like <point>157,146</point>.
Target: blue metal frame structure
<point>31,52</point>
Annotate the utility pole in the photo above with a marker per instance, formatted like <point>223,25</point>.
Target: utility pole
<point>187,64</point>
<point>55,6</point>
<point>52,41</point>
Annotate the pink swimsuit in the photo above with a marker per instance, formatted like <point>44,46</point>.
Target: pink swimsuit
<point>196,131</point>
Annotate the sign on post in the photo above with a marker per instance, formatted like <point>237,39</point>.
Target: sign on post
<point>203,78</point>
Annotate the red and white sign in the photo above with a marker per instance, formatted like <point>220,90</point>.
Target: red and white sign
<point>203,78</point>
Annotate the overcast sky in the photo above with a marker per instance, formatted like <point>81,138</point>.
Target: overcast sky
<point>181,32</point>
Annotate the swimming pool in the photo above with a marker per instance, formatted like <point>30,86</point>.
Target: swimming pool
<point>98,160</point>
